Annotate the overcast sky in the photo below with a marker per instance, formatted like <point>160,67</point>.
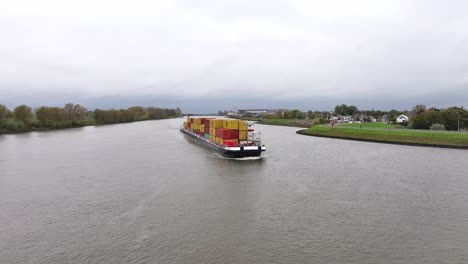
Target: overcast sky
<point>211,55</point>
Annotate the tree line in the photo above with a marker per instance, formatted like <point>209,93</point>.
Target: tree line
<point>451,118</point>
<point>135,113</point>
<point>420,117</point>
<point>24,118</point>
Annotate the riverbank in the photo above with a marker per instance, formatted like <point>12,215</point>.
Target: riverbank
<point>39,129</point>
<point>392,136</point>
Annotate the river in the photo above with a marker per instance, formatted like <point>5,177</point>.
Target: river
<point>145,193</point>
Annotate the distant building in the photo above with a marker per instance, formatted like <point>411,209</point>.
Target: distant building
<point>385,118</point>
<point>256,112</point>
<point>342,119</point>
<point>402,119</point>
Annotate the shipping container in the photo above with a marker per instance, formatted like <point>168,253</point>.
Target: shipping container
<point>230,142</point>
<point>216,123</point>
<point>198,127</point>
<point>242,125</point>
<point>197,121</point>
<point>213,131</point>
<point>227,133</point>
<point>206,122</point>
<point>207,136</point>
<point>230,124</point>
<point>242,134</point>
<point>226,142</point>
<point>213,138</point>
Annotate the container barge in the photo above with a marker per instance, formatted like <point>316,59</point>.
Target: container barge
<point>230,138</point>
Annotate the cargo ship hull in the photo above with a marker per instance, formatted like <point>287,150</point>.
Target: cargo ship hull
<point>228,152</point>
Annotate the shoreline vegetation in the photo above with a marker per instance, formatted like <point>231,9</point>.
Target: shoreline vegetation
<point>288,122</point>
<point>420,126</point>
<point>391,134</point>
<point>23,119</point>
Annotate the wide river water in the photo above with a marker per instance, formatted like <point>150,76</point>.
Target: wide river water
<point>145,193</point>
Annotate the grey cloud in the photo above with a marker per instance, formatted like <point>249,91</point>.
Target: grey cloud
<point>271,52</point>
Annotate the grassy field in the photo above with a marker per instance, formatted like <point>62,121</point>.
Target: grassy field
<point>287,122</point>
<point>409,136</point>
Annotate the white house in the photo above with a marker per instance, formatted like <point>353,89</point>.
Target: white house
<point>402,119</point>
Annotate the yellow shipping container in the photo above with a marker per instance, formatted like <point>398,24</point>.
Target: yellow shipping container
<point>212,138</point>
<point>242,125</point>
<point>216,123</point>
<point>198,127</point>
<point>212,131</point>
<point>242,134</point>
<point>197,121</point>
<point>231,124</point>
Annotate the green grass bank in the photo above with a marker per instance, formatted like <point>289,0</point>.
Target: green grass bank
<point>385,133</point>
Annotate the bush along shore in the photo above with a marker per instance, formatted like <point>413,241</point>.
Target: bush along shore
<point>395,135</point>
<point>24,119</point>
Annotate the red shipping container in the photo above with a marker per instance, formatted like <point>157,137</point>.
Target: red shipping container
<point>229,143</point>
<point>234,134</point>
<point>219,132</point>
<point>206,121</point>
<point>227,133</point>
<point>222,133</point>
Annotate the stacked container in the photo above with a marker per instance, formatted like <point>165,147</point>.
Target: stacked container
<point>242,131</point>
<point>224,132</point>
